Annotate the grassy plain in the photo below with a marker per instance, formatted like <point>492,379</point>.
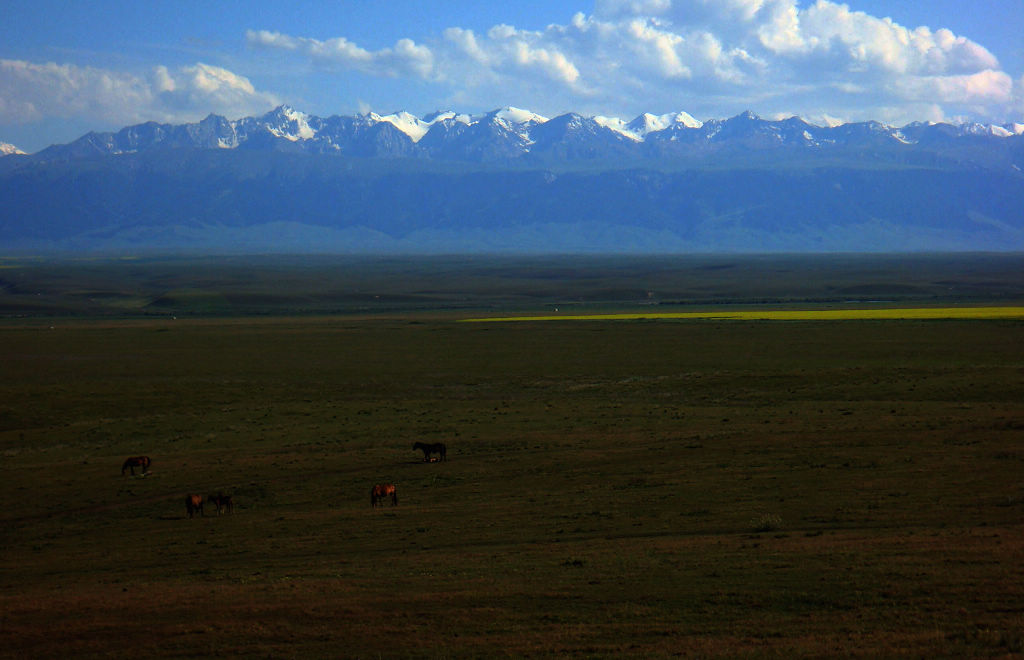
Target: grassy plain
<point>283,285</point>
<point>613,488</point>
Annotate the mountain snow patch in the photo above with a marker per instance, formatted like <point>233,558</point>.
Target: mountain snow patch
<point>7,149</point>
<point>519,116</point>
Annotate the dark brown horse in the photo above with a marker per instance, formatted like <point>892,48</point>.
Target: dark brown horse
<point>380,491</point>
<point>194,504</point>
<point>222,502</point>
<point>136,462</point>
<point>436,448</point>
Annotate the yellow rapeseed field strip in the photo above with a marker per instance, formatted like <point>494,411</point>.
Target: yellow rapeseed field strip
<point>787,315</point>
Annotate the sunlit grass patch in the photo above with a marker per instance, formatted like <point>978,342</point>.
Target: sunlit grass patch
<point>788,314</point>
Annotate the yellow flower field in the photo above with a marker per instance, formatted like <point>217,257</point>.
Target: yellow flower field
<point>789,314</point>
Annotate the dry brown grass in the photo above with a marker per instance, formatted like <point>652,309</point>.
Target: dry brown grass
<point>597,502</point>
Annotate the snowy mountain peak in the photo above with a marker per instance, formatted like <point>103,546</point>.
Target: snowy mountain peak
<point>415,127</point>
<point>572,120</point>
<point>994,130</point>
<point>408,123</point>
<point>280,113</point>
<point>518,116</point>
<point>7,149</point>
<point>687,120</point>
<point>621,127</point>
<point>648,123</point>
<point>288,123</point>
<point>447,115</point>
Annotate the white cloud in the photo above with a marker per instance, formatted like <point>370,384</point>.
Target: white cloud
<point>464,41</point>
<point>31,92</point>
<point>711,57</point>
<point>405,59</point>
<point>530,53</point>
<point>982,87</point>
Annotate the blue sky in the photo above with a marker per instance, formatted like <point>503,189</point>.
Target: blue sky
<point>70,67</point>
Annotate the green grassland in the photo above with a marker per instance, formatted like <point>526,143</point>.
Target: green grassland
<point>641,488</point>
<point>282,285</point>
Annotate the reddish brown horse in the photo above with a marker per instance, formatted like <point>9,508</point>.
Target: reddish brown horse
<point>136,462</point>
<point>222,502</point>
<point>380,491</point>
<point>194,504</point>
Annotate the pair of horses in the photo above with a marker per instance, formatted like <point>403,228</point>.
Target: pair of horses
<point>222,502</point>
<point>133,462</point>
<point>381,492</point>
<point>194,504</point>
<point>438,448</point>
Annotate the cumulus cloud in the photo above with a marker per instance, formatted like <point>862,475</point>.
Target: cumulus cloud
<point>31,91</point>
<point>710,57</point>
<point>405,59</point>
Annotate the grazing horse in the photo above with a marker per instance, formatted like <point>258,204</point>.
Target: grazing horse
<point>194,504</point>
<point>380,491</point>
<point>136,462</point>
<point>222,502</point>
<point>436,448</point>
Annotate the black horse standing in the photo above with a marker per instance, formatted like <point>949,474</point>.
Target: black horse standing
<point>222,502</point>
<point>436,448</point>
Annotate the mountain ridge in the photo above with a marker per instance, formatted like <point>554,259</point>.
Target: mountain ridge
<point>512,181</point>
<point>448,135</point>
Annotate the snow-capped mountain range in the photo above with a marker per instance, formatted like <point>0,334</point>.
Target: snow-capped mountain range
<point>514,181</point>
<point>508,133</point>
